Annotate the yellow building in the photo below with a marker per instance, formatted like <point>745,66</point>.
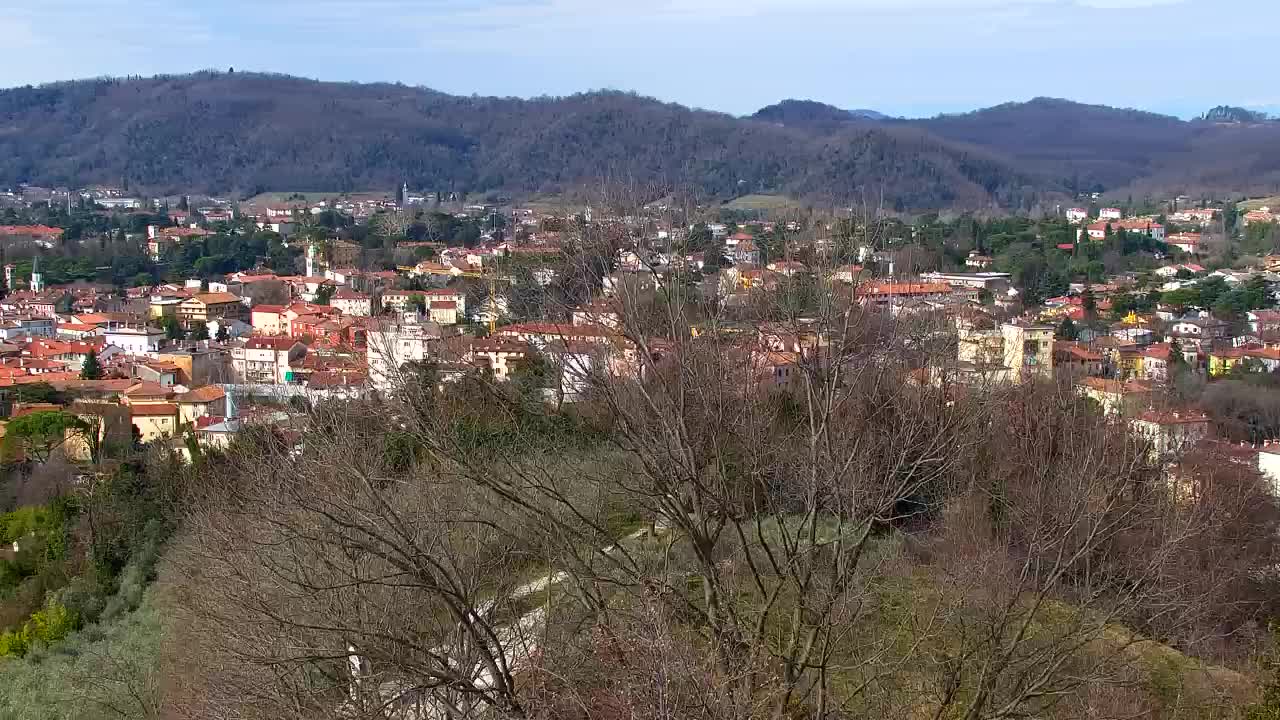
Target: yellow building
<point>210,306</point>
<point>1028,349</point>
<point>155,421</point>
<point>1222,362</point>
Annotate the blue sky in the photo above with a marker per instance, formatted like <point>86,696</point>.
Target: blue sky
<point>906,57</point>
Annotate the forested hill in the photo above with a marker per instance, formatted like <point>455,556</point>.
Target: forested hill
<point>244,132</point>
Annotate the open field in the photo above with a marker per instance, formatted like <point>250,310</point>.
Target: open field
<point>762,202</point>
<point>1251,205</point>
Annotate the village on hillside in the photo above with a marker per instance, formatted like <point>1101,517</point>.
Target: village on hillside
<point>192,353</point>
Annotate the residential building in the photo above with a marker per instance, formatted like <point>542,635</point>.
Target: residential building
<point>207,401</point>
<point>993,282</point>
<point>1075,215</point>
<point>1028,349</point>
<point>501,356</point>
<point>198,366</point>
<point>392,344</point>
<point>1076,359</point>
<point>266,360</point>
<point>15,327</point>
<point>204,307</point>
<point>978,261</point>
<point>352,303</point>
<point>1153,363</point>
<point>1186,242</point>
<point>268,320</point>
<point>134,340</point>
<point>165,374</point>
<point>1171,433</point>
<point>443,312</point>
<point>1116,397</point>
<point>889,293</point>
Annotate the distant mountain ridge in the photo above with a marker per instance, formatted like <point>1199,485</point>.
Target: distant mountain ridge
<point>809,113</point>
<point>1233,114</point>
<point>247,132</point>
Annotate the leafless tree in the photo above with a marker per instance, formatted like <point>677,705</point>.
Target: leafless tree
<point>760,509</point>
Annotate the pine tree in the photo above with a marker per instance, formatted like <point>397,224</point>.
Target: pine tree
<point>1067,330</point>
<point>92,368</point>
<point>1090,304</point>
<point>1177,362</point>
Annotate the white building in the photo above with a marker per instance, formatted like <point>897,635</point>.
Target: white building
<point>992,281</point>
<point>135,340</point>
<point>1110,214</point>
<point>267,360</point>
<point>350,302</point>
<point>1269,465</point>
<point>119,203</point>
<point>1077,215</point>
<point>392,344</point>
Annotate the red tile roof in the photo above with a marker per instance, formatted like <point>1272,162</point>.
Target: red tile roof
<point>206,394</point>
<point>154,410</point>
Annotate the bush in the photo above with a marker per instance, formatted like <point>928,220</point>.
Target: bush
<point>46,627</point>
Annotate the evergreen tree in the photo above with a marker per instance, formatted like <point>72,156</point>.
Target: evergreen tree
<point>199,331</point>
<point>1177,362</point>
<point>92,369</point>
<point>223,334</point>
<point>1067,330</point>
<point>1258,292</point>
<point>1090,304</point>
<point>172,329</point>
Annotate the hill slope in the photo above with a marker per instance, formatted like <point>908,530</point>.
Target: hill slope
<point>248,132</point>
<point>251,132</point>
<point>1098,147</point>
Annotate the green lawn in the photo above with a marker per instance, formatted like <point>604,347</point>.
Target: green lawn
<point>762,202</point>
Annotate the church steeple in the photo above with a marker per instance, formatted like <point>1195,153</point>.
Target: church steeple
<point>37,277</point>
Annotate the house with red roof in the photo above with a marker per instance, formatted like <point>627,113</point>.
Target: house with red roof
<point>352,303</point>
<point>1171,432</point>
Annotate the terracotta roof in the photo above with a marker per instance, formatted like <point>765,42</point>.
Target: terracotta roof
<point>1076,351</point>
<point>154,410</point>
<point>904,289</point>
<point>29,230</point>
<point>271,343</point>
<point>268,309</point>
<point>147,389</point>
<point>206,394</point>
<point>215,298</point>
<point>1158,351</point>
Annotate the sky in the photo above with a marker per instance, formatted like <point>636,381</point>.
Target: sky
<point>903,57</point>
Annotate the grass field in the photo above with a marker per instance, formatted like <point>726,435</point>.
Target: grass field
<point>1251,205</point>
<point>762,202</point>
